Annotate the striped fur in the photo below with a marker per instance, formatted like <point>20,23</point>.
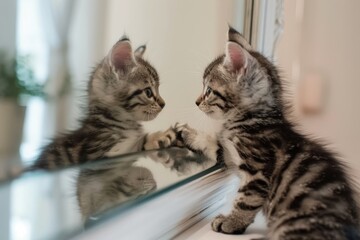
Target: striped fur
<point>123,90</point>
<point>302,188</point>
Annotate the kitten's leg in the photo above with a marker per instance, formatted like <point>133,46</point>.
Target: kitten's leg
<point>160,139</point>
<point>199,142</point>
<point>248,203</point>
<point>251,196</point>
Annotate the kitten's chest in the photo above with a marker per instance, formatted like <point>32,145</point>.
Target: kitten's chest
<point>130,141</point>
<point>231,154</point>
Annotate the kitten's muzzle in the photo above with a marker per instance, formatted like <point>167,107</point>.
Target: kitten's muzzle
<point>198,101</point>
<point>161,102</point>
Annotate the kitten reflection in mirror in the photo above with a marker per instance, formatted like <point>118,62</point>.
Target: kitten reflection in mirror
<point>109,184</point>
<point>123,91</point>
<point>303,189</point>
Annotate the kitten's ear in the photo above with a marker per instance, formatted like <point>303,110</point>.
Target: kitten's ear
<point>236,58</point>
<point>121,55</point>
<point>235,36</point>
<point>139,52</point>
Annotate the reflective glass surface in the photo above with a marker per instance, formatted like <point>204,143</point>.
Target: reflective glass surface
<point>61,204</point>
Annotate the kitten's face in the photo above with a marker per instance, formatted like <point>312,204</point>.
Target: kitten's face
<point>219,93</point>
<point>124,82</point>
<point>238,82</point>
<point>140,95</point>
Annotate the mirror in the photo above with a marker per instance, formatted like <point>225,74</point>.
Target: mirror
<point>48,54</point>
<point>51,48</point>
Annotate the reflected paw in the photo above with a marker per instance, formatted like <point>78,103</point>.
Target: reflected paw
<point>227,225</point>
<point>162,157</point>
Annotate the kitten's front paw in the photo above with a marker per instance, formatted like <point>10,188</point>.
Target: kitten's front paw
<point>227,224</point>
<point>160,139</point>
<point>185,134</point>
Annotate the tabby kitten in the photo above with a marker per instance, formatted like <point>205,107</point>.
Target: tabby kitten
<point>302,188</point>
<point>123,90</point>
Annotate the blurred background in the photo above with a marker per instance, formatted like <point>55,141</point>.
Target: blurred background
<point>49,47</point>
<point>318,53</point>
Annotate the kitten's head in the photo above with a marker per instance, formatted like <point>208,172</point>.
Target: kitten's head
<point>126,84</point>
<point>239,82</point>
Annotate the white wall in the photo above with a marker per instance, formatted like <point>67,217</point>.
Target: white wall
<point>287,51</point>
<point>86,41</point>
<point>182,37</point>
<point>323,37</point>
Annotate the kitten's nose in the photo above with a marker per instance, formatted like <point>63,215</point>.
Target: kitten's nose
<point>198,101</point>
<point>161,102</point>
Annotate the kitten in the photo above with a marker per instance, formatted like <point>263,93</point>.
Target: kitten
<point>302,188</point>
<point>109,184</point>
<point>123,90</point>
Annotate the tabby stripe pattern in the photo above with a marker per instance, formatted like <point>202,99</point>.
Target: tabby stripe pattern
<point>303,189</point>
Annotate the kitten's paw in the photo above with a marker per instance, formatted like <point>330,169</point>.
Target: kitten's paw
<point>227,225</point>
<point>159,139</point>
<point>185,134</point>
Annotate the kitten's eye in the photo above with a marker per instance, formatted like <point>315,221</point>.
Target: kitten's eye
<point>208,91</point>
<point>148,92</point>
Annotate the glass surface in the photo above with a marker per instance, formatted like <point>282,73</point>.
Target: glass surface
<point>60,204</point>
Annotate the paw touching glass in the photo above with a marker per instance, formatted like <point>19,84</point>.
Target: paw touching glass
<point>161,139</point>
<point>185,134</point>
